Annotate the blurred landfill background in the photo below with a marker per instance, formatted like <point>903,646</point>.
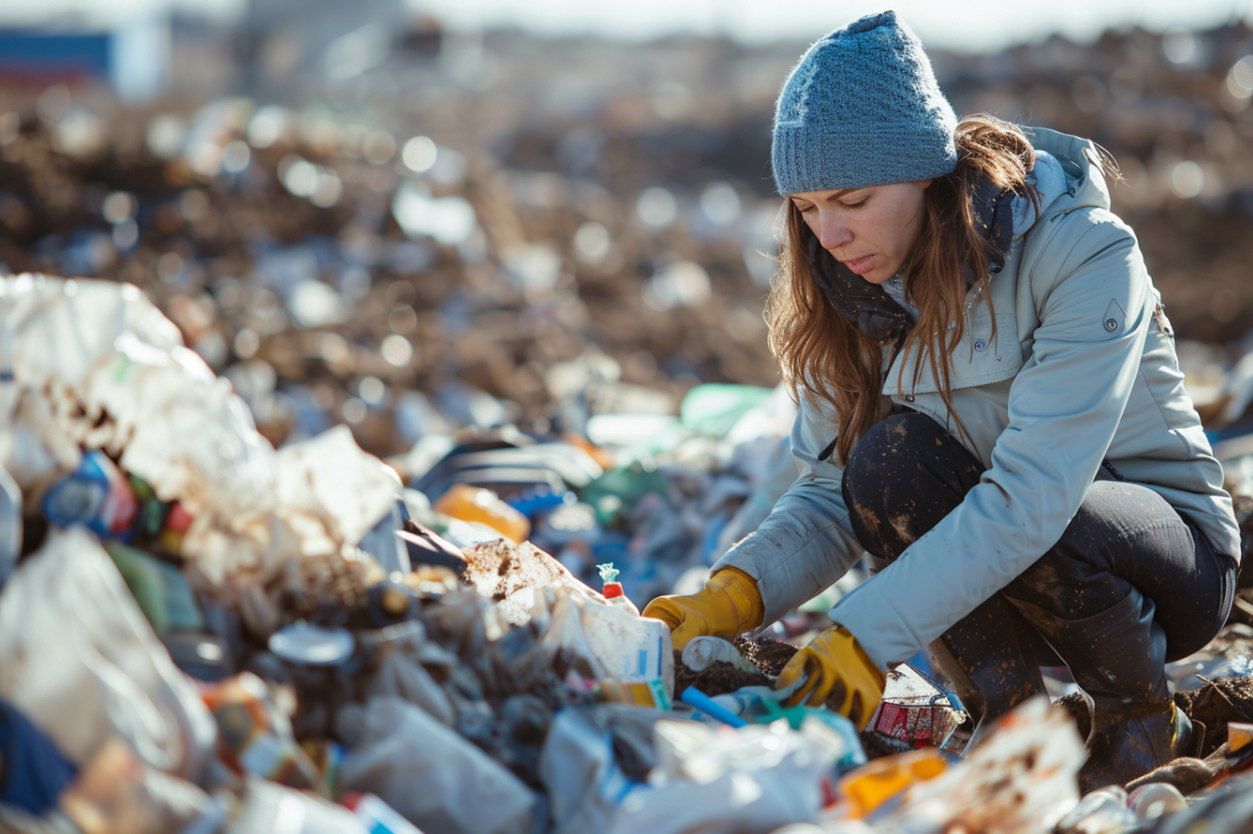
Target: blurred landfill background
<point>527,273</point>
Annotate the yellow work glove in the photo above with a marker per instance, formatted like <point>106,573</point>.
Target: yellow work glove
<point>729,605</point>
<point>837,673</point>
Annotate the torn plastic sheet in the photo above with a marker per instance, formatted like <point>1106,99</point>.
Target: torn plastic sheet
<point>432,776</point>
<point>78,657</point>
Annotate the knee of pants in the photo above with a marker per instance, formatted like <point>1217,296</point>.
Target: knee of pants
<point>889,451</point>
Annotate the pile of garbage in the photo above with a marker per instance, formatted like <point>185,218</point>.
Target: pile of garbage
<point>201,633</point>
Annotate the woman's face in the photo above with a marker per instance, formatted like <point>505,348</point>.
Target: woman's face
<point>870,230</point>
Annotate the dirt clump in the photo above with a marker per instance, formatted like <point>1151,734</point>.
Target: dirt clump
<point>1217,704</point>
<point>770,656</point>
<point>718,678</point>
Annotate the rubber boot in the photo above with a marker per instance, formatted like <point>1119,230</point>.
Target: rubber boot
<point>989,660</point>
<point>1118,658</point>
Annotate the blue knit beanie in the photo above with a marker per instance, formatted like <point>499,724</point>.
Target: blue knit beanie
<point>862,108</point>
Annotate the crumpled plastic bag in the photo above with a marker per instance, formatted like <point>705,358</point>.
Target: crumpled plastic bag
<point>752,781</point>
<point>432,776</point>
<point>96,365</point>
<point>1022,778</point>
<point>79,659</point>
<point>513,574</point>
<point>401,673</point>
<point>118,794</point>
<point>578,768</point>
<point>329,478</point>
<point>267,806</point>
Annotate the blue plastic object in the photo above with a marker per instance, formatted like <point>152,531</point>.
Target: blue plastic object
<point>532,501</point>
<point>707,705</point>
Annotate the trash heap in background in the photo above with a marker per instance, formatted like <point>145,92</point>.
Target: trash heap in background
<point>199,632</point>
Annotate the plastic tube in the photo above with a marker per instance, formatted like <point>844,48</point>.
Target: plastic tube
<point>707,705</point>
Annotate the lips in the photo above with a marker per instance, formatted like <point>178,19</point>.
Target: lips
<point>860,266</point>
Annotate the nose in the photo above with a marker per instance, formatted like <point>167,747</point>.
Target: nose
<point>833,231</point>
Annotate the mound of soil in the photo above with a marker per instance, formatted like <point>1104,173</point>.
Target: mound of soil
<point>718,678</point>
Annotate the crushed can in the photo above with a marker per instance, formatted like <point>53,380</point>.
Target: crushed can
<point>915,709</point>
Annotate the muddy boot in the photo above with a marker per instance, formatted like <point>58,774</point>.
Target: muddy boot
<point>1118,659</point>
<point>988,659</point>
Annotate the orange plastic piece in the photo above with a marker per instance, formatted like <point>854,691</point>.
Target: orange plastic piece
<point>875,783</point>
<point>470,503</point>
<point>602,456</point>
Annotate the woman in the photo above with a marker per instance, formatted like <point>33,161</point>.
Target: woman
<point>990,406</point>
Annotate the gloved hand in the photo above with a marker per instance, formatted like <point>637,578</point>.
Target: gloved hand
<point>729,605</point>
<point>838,674</point>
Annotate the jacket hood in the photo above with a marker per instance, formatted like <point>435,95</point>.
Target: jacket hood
<point>1068,176</point>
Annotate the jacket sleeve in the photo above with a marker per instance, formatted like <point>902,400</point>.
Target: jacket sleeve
<point>806,543</point>
<point>1064,407</point>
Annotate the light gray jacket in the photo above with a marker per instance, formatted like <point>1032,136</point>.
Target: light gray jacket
<point>1083,369</point>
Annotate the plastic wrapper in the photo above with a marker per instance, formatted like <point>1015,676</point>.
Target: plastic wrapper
<point>702,651</point>
<point>755,779</point>
<point>462,791</point>
<point>96,364</point>
<point>117,794</point>
<point>1103,811</point>
<point>1021,779</point>
<point>332,492</point>
<point>401,673</point>
<point>78,657</point>
<point>266,806</point>
<point>1226,656</point>
<point>511,575</point>
<point>254,735</point>
<point>884,781</point>
<point>577,766</point>
<point>915,710</point>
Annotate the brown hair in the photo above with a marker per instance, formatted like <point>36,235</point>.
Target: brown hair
<point>824,356</point>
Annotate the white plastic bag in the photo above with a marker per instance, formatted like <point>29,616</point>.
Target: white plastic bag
<point>754,780</point>
<point>79,659</point>
<point>432,776</point>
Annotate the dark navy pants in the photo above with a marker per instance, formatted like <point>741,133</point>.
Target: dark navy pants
<point>909,469</point>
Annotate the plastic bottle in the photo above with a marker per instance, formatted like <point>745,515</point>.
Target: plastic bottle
<point>614,595</point>
<point>470,503</point>
<point>96,494</point>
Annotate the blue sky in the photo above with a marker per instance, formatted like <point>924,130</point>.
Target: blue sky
<point>974,25</point>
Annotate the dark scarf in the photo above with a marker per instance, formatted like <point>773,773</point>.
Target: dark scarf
<point>870,309</point>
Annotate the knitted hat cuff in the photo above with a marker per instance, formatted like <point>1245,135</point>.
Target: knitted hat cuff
<point>805,161</point>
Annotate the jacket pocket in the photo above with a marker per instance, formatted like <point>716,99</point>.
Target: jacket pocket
<point>979,358</point>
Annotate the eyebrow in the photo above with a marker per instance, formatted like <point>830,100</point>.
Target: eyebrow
<point>835,195</point>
